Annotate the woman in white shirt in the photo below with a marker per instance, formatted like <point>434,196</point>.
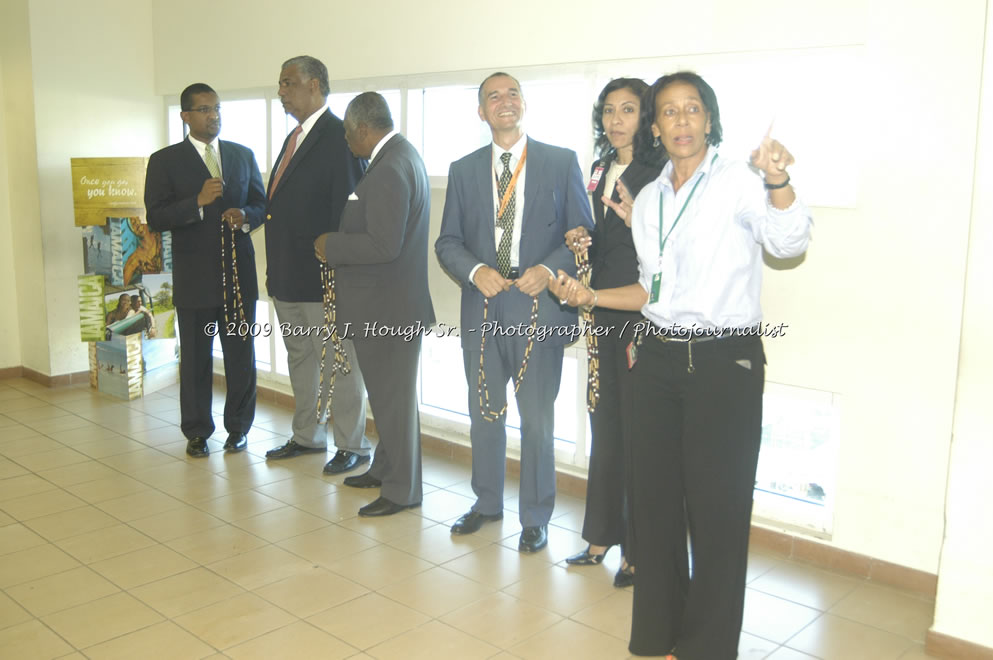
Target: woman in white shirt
<point>699,230</point>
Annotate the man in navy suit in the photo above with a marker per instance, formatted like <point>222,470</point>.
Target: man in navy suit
<point>201,189</point>
<point>507,208</point>
<point>310,183</point>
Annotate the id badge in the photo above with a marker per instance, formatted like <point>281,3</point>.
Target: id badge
<point>632,353</point>
<point>656,288</point>
<point>595,179</point>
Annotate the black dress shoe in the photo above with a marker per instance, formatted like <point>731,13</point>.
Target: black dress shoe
<point>384,507</point>
<point>291,449</point>
<point>533,539</point>
<point>236,442</point>
<point>584,558</point>
<point>624,577</point>
<point>364,480</point>
<point>344,461</point>
<point>197,447</point>
<point>472,521</point>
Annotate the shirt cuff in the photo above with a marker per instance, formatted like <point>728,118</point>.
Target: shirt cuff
<point>550,273</point>
<point>472,273</point>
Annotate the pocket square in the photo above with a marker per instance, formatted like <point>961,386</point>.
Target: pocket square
<point>353,197</point>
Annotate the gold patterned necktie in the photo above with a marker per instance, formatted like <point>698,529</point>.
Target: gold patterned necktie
<point>210,158</point>
<point>506,220</point>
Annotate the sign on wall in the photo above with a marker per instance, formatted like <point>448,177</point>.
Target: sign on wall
<point>107,187</point>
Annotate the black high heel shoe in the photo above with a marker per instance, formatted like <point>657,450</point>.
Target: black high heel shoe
<point>624,576</point>
<point>584,558</point>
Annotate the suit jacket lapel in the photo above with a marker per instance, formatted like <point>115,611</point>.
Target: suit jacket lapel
<point>312,137</point>
<point>392,142</point>
<point>193,157</point>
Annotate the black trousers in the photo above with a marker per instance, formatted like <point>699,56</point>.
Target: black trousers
<point>695,446</point>
<point>196,371</point>
<point>606,519</point>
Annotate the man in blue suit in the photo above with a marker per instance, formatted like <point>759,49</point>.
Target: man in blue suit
<point>507,209</point>
<point>196,189</point>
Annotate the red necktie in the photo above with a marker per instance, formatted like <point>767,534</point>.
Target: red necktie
<point>291,147</point>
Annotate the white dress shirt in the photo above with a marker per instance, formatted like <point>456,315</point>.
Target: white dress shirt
<point>712,263</point>
<point>379,145</point>
<point>201,148</point>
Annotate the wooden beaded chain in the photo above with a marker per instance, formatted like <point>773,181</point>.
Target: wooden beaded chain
<point>340,356</point>
<point>239,308</point>
<point>583,272</point>
<point>484,392</point>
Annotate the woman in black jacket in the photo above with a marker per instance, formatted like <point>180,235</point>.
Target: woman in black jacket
<point>614,263</point>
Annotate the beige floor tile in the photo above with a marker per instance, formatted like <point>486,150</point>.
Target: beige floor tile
<point>14,436</point>
<point>185,592</point>
<point>16,537</point>
<point>509,527</point>
<point>751,647</point>
<point>433,641</point>
<point>297,640</point>
<point>17,487</point>
<point>104,543</point>
<point>42,504</point>
<point>916,653</point>
<point>235,620</point>
<point>10,469</point>
<point>33,563</point>
<point>612,615</point>
<point>200,488</point>
<point>175,523</point>
<point>834,637</point>
<point>568,639</point>
<point>61,423</point>
<point>78,473</point>
<point>501,620</point>
<point>260,567</point>
<point>310,592</point>
<point>73,522</point>
<point>559,590</point>
<point>436,591</point>
<point>281,524</point>
<point>774,618</point>
<point>379,567</point>
<point>243,504</point>
<point>61,591</point>
<point>294,491</point>
<point>387,528</point>
<point>805,585</point>
<point>497,566</point>
<point>83,435</point>
<point>107,488</point>
<point>140,504</point>
<point>562,543</point>
<point>49,460</point>
<point>12,614</point>
<point>328,544</point>
<point>340,505</point>
<point>217,543</point>
<point>100,620</point>
<point>443,473</point>
<point>107,447</point>
<point>137,460</point>
<point>784,653</point>
<point>221,461</point>
<point>142,566</point>
<point>5,519</point>
<point>172,477</point>
<point>759,564</point>
<point>349,622</point>
<point>159,436</point>
<point>32,640</point>
<point>162,641</point>
<point>437,544</point>
<point>442,505</point>
<point>259,474</point>
<point>137,423</point>
<point>25,411</point>
<point>887,609</point>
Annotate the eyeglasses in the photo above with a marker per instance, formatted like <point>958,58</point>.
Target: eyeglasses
<point>206,109</point>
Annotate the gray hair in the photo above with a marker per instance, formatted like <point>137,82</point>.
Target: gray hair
<point>310,68</point>
<point>371,109</point>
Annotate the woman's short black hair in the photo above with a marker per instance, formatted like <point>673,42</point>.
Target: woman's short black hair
<point>647,153</point>
<point>706,93</point>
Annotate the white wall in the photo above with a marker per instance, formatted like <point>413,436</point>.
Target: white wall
<point>93,96</point>
<point>22,292</point>
<point>965,582</point>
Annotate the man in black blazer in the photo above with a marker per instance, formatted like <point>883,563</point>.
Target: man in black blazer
<point>201,189</point>
<point>310,183</point>
<point>380,257</point>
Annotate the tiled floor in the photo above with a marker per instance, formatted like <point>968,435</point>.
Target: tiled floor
<point>114,544</point>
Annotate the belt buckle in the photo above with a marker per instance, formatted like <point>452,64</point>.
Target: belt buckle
<point>666,339</point>
<point>513,274</point>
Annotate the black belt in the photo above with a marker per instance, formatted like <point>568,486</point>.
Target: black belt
<point>514,273</point>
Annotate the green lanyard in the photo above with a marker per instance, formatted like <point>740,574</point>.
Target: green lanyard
<point>664,238</point>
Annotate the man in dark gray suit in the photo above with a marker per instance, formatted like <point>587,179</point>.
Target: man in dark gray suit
<point>507,209</point>
<point>380,257</point>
